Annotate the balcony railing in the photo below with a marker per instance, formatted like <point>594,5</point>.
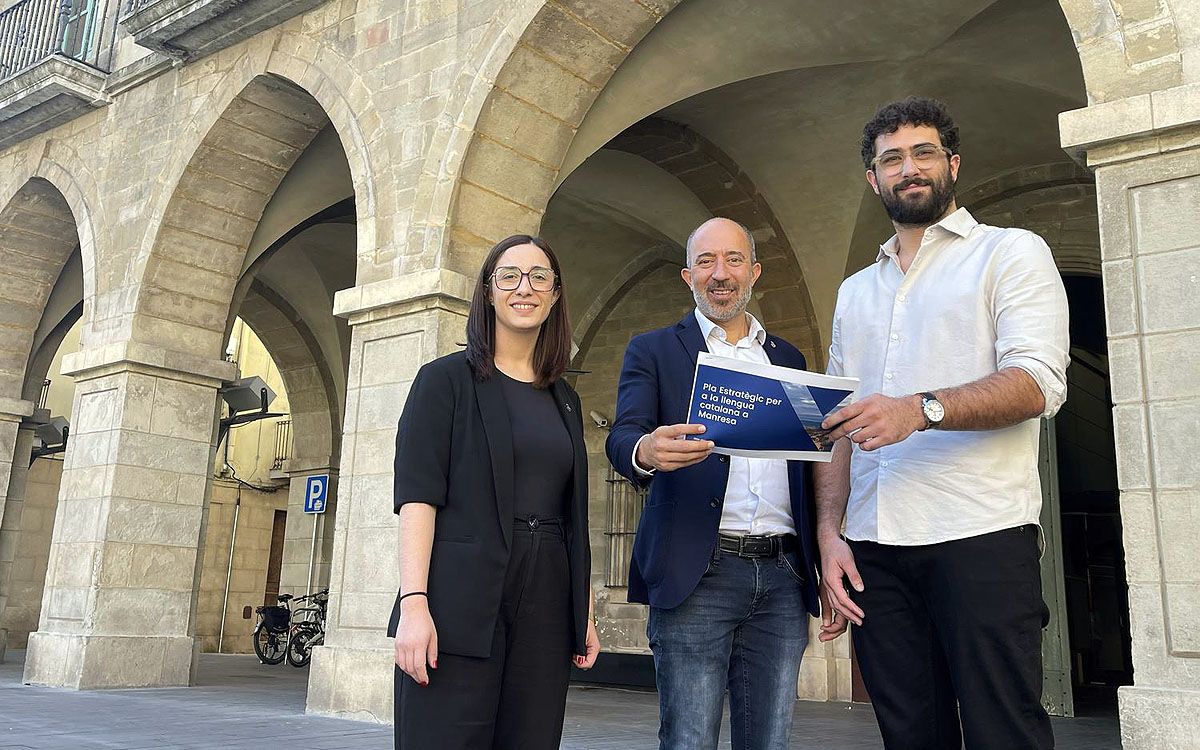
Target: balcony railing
<point>283,439</point>
<point>34,30</point>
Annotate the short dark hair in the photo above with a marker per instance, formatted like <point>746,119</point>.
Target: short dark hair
<point>915,110</point>
<point>551,354</point>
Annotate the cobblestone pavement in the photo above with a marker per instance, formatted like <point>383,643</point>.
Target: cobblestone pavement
<point>239,704</point>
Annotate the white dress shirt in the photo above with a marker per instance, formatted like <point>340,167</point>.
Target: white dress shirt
<point>757,497</point>
<point>976,299</point>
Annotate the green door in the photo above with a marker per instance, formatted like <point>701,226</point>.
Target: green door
<point>79,22</point>
<point>1056,649</point>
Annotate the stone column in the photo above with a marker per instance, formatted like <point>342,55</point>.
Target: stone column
<point>119,604</point>
<point>11,413</point>
<point>298,535</point>
<point>1146,154</point>
<point>397,325</point>
<point>20,579</point>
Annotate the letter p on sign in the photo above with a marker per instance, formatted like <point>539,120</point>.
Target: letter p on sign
<point>316,490</point>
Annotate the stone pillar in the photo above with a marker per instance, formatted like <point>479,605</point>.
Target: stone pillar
<point>11,414</point>
<point>120,598</point>
<point>22,575</point>
<point>1146,154</point>
<point>397,325</point>
<point>298,535</point>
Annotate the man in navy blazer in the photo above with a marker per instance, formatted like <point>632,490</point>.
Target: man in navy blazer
<point>725,553</point>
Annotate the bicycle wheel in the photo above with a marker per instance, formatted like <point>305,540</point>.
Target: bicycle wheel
<point>299,649</point>
<point>270,645</point>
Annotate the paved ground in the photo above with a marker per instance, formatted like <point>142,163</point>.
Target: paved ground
<point>242,705</point>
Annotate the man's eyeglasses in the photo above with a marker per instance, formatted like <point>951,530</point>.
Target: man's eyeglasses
<point>924,156</point>
<point>508,278</point>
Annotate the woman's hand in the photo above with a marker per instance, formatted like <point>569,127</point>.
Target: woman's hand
<point>591,648</point>
<point>416,640</point>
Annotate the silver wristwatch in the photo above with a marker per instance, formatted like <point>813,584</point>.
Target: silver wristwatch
<point>933,410</point>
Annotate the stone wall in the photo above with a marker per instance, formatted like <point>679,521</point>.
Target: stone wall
<point>248,577</point>
<point>25,550</point>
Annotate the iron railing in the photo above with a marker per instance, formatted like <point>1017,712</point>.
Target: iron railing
<point>33,30</point>
<point>624,511</point>
<point>283,443</point>
<point>45,395</point>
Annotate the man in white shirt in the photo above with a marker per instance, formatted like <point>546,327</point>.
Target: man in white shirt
<point>725,553</point>
<point>959,335</point>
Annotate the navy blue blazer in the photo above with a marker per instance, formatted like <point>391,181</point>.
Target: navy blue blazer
<point>678,529</point>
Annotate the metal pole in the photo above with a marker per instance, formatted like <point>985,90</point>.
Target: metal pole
<point>237,508</point>
<point>312,555</point>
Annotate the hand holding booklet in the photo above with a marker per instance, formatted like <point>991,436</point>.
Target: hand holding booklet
<point>756,410</point>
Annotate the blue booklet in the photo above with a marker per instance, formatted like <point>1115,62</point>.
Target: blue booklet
<point>765,411</point>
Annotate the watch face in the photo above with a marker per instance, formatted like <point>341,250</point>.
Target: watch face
<point>934,411</point>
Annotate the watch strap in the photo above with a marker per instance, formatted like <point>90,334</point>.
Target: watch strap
<point>926,397</point>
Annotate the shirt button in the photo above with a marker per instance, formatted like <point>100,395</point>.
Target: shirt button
<point>883,464</point>
<point>901,298</point>
<point>888,376</point>
<point>895,337</point>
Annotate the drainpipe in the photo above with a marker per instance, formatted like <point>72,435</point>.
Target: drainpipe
<point>237,507</point>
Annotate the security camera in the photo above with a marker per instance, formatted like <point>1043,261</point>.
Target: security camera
<point>600,420</point>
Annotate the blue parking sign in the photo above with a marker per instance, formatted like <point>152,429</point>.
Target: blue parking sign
<point>316,490</point>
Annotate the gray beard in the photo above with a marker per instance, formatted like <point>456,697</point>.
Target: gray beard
<point>722,316</point>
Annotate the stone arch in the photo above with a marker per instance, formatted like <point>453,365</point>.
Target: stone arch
<point>298,58</point>
<point>191,272</point>
<point>535,72</point>
<point>1125,49</point>
<point>297,62</point>
<point>606,299</point>
<point>725,190</point>
<point>526,87</point>
<point>311,387</point>
<point>38,233</point>
<point>61,168</point>
<point>1057,201</point>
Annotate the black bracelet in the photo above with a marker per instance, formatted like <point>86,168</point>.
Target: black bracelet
<point>414,593</point>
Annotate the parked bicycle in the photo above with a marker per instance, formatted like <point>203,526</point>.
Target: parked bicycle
<point>309,631</point>
<point>277,626</point>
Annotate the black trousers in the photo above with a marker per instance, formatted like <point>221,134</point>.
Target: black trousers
<point>950,647</point>
<point>514,699</point>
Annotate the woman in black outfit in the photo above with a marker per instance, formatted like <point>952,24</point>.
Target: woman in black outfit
<point>491,489</point>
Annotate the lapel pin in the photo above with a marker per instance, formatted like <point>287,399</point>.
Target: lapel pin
<point>772,344</point>
<point>568,407</point>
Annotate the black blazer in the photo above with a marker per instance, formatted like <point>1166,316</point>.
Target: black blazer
<point>454,451</point>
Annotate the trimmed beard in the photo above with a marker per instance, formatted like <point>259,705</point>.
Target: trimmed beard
<point>736,307</point>
<point>922,212</point>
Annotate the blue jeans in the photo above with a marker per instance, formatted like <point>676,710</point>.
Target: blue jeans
<point>744,628</point>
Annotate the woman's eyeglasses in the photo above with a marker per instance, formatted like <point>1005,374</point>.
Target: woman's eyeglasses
<point>508,278</point>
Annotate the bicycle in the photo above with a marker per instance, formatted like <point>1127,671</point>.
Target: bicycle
<point>309,632</point>
<point>272,630</point>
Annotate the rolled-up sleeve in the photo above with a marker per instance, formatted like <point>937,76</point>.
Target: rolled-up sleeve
<point>1030,309</point>
<point>422,463</point>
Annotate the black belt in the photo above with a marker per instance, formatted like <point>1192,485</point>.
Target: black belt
<point>533,523</point>
<point>756,545</point>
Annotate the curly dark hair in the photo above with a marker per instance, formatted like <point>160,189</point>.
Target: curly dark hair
<point>915,110</point>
